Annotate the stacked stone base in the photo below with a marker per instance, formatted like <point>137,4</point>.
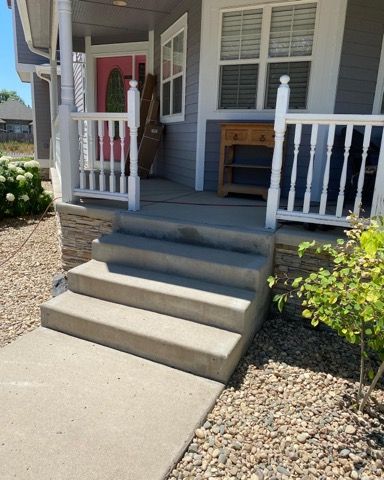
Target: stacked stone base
<point>77,233</point>
<point>289,265</point>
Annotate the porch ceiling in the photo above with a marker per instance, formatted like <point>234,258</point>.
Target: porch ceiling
<point>107,23</point>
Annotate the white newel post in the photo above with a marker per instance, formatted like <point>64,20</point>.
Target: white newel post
<point>133,124</point>
<point>282,104</point>
<point>69,148</point>
<point>378,193</point>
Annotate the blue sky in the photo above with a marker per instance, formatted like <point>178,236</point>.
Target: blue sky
<point>9,78</point>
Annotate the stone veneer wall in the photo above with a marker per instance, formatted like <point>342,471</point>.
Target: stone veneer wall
<point>288,263</point>
<point>78,229</point>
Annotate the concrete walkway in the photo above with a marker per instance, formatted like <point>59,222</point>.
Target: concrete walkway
<point>74,410</point>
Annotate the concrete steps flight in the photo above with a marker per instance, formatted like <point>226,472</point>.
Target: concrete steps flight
<point>188,306</point>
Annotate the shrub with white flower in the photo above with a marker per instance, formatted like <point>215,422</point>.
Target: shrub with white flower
<point>21,192</point>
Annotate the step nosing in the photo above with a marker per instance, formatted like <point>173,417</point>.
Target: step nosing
<point>68,306</point>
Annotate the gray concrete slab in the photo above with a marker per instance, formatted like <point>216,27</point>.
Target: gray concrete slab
<point>73,410</point>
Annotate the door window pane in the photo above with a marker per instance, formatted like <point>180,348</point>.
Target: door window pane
<point>178,53</point>
<point>166,98</point>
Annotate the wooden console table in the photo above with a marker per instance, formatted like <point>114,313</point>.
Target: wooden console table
<point>252,134</point>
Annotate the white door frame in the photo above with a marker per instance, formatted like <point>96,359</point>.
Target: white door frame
<point>92,52</point>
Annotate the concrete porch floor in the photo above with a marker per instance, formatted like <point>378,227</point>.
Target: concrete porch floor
<point>165,199</point>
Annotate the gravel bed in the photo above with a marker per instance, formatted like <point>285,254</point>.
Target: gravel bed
<point>26,280</point>
<point>287,414</point>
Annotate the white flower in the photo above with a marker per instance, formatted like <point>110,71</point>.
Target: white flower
<point>20,171</point>
<point>10,197</point>
<point>32,164</point>
<point>20,178</point>
<point>28,175</point>
<point>11,179</point>
<point>12,167</point>
<point>2,179</point>
<point>25,198</point>
<point>4,161</point>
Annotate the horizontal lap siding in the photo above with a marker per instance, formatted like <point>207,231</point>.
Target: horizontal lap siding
<point>42,116</point>
<point>24,54</point>
<point>177,155</point>
<point>360,56</point>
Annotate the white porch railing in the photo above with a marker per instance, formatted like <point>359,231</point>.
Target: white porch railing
<point>103,144</point>
<point>318,208</point>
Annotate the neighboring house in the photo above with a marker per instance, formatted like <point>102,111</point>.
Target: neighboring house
<point>15,117</point>
<point>27,64</point>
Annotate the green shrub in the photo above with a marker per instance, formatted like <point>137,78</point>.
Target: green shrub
<point>350,297</point>
<point>21,192</point>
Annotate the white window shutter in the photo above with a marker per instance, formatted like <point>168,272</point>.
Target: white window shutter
<point>299,73</point>
<point>292,30</point>
<point>241,34</point>
<point>238,86</point>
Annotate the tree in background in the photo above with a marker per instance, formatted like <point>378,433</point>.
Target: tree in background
<point>10,95</point>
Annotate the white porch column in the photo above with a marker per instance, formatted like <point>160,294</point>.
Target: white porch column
<point>68,129</point>
<point>282,104</point>
<point>133,124</point>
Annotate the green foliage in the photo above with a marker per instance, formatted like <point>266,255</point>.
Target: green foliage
<point>21,192</point>
<point>10,95</point>
<point>349,298</point>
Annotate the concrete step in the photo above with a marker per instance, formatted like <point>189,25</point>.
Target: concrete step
<point>225,307</point>
<point>250,240</point>
<point>199,349</point>
<point>224,267</point>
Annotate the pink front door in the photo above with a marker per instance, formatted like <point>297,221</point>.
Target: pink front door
<point>113,76</point>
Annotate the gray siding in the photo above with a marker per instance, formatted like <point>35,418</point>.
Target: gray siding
<point>24,55</point>
<point>177,156</point>
<point>42,116</point>
<point>360,56</point>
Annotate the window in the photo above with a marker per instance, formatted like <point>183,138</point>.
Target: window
<point>258,45</point>
<point>173,71</point>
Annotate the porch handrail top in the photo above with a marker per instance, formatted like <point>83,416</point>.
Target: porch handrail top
<point>334,119</point>
<point>100,116</point>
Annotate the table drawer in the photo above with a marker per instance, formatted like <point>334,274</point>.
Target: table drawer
<point>235,136</point>
<point>263,137</point>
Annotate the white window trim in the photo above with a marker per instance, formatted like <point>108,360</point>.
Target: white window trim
<point>264,59</point>
<point>323,82</point>
<point>181,25</point>
<point>379,94</point>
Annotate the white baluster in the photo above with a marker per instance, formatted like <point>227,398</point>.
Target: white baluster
<point>292,191</point>
<point>134,124</point>
<point>91,154</point>
<point>282,104</point>
<point>343,178</point>
<point>360,182</point>
<point>112,178</point>
<point>101,147</point>
<point>308,191</point>
<point>123,178</point>
<point>324,193</point>
<point>81,148</point>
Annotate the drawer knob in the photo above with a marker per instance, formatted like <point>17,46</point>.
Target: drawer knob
<point>262,138</point>
<point>235,136</point>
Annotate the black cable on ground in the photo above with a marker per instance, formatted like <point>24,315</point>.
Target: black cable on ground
<point>30,235</point>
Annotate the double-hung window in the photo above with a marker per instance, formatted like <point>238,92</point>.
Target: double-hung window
<point>257,46</point>
<point>173,71</point>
